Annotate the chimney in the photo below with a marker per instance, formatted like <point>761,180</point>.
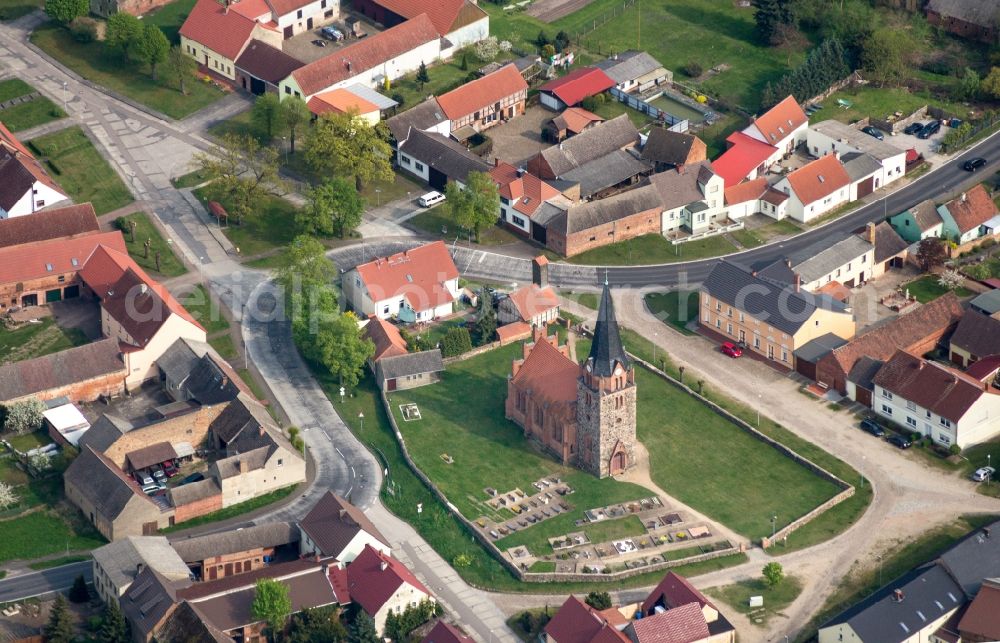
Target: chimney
<point>244,467</point>
<point>963,197</point>
<point>343,512</point>
<point>143,289</point>
<point>560,145</point>
<point>870,233</point>
<point>139,567</point>
<point>521,171</point>
<point>384,565</point>
<point>496,162</point>
<point>540,271</point>
<point>897,595</point>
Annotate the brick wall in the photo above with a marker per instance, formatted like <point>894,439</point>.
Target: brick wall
<point>12,293</point>
<point>190,427</point>
<point>236,563</point>
<point>197,508</point>
<point>635,225</point>
<point>86,391</point>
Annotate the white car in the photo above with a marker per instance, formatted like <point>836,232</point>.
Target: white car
<point>983,473</point>
<point>431,198</point>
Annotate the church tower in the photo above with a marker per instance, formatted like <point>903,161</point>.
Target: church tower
<point>605,404</point>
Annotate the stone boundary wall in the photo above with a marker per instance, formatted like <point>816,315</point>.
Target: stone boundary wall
<point>851,78</point>
<point>897,126</point>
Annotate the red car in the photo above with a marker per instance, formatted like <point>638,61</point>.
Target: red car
<point>732,350</point>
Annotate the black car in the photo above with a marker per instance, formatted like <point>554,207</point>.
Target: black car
<point>913,128</point>
<point>873,132</point>
<point>930,129</point>
<point>900,441</point>
<point>871,426</point>
<point>973,164</point>
<point>194,477</point>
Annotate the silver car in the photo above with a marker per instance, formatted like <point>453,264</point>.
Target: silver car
<point>983,473</point>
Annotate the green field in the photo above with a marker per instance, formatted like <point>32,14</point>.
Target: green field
<point>928,289</point>
<point>170,17</point>
<point>234,510</point>
<point>79,169</point>
<point>37,111</point>
<point>653,248</point>
<point>438,223</point>
<point>674,308</point>
<point>35,340</point>
<point>13,9</point>
<point>225,347</point>
<point>879,102</point>
<point>170,264</point>
<point>95,63</point>
<point>205,310</point>
<point>776,598</point>
<point>271,226</point>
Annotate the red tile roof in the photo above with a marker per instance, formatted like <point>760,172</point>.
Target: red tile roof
<point>577,119</point>
<point>7,139</point>
<point>418,274</point>
<point>284,7</point>
<point>48,224</point>
<point>482,92</point>
<point>982,618</point>
<point>781,120</point>
<point>26,159</point>
<point>745,154</point>
<point>367,53</point>
<point>526,192</point>
<point>388,342</point>
<point>445,633</point>
<point>684,624</point>
<point>984,368</point>
<point>548,373</point>
<point>512,332</point>
<point>972,209</point>
<point>340,101</point>
<point>373,577</point>
<point>577,622</point>
<point>226,32</point>
<point>818,179</point>
<point>339,582</point>
<point>254,9</point>
<point>943,391</point>
<point>443,13</point>
<point>673,591</point>
<point>532,300</point>
<point>578,84</point>
<point>746,191</point>
<point>68,255</point>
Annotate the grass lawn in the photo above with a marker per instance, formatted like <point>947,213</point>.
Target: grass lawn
<point>205,310</point>
<point>25,115</point>
<point>586,299</point>
<point>234,510</point>
<point>12,88</point>
<point>863,579</point>
<point>879,102</point>
<point>746,238</point>
<point>224,345</point>
<point>35,340</point>
<point>653,248</point>
<point>255,388</point>
<point>41,533</point>
<point>674,308</point>
<point>189,180</point>
<point>57,562</point>
<point>29,441</point>
<point>170,264</point>
<point>271,226</point>
<point>776,598</point>
<point>375,193</point>
<point>170,17</point>
<point>928,289</point>
<point>612,108</point>
<point>13,9</point>
<point>77,166</point>
<point>95,63</point>
<point>437,222</point>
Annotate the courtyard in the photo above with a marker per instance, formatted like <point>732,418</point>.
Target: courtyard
<point>520,138</point>
<point>301,45</point>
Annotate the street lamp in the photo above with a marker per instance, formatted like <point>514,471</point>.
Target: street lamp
<point>64,96</point>
<point>378,197</point>
<point>654,348</point>
<point>361,416</point>
<point>284,144</point>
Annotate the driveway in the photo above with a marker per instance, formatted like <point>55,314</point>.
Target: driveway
<point>520,138</point>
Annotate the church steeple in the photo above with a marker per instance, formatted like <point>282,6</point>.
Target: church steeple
<point>607,350</point>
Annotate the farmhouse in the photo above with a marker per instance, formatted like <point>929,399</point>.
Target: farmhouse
<point>977,336</point>
<point>815,188</point>
<point>919,222</point>
<point>668,150</point>
<point>223,554</point>
<point>459,22</point>
<point>401,372</point>
<point>745,159</point>
<point>634,71</point>
<point>532,304</point>
<point>55,223</point>
<point>521,196</point>
<point>380,584</point>
<point>216,34</point>
<point>261,67</point>
<point>753,197</point>
<point>963,217</point>
<point>584,226</point>
<point>570,122</point>
<point>966,18</point>
<point>336,528</point>
<point>834,137</point>
<point>25,186</point>
<point>386,337</point>
<point>692,199</point>
<point>783,126</point>
<point>571,89</point>
<point>117,564</point>
<point>436,159</point>
<point>486,101</point>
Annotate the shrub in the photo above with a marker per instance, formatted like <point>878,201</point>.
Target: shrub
<point>692,70</point>
<point>954,449</point>
<point>399,98</point>
<point>79,593</point>
<point>24,417</point>
<point>456,342</point>
<point>915,437</point>
<point>84,29</point>
<point>979,271</point>
<point>122,224</point>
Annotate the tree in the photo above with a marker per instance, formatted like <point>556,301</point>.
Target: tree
<point>264,113</point>
<point>152,47</point>
<point>59,629</point>
<point>422,75</point>
<point>772,17</point>
<point>114,628</point>
<point>991,84</point>
<point>476,205</point>
<point>599,600</point>
<point>271,604</point>
<point>968,87</point>
<point>316,625</point>
<point>24,417</point>
<point>306,275</point>
<point>398,626</point>
<point>179,67</point>
<point>346,145</point>
<point>305,262</point>
<point>931,253</point>
<point>8,497</point>
<point>542,39</point>
<point>65,11</point>
<point>293,114</point>
<point>123,32</point>
<point>886,55</point>
<point>362,630</point>
<point>951,279</point>
<point>456,341</point>
<point>343,350</point>
<point>79,593</point>
<point>773,574</point>
<point>486,324</point>
<point>243,171</point>
<point>487,48</point>
<point>334,206</point>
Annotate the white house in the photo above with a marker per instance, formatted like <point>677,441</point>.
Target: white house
<point>335,527</point>
<point>416,285</point>
<point>755,197</point>
<point>936,401</point>
<point>215,34</point>
<point>783,126</point>
<point>295,16</point>
<point>834,137</point>
<point>692,197</point>
<point>380,584</point>
<point>815,188</point>
<point>458,22</point>
<point>25,187</point>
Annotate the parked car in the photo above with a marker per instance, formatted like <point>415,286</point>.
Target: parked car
<point>913,128</point>
<point>873,427</point>
<point>319,43</point>
<point>974,164</point>
<point>731,349</point>
<point>431,198</point>
<point>930,129</point>
<point>194,477</point>
<point>900,441</point>
<point>983,473</point>
<point>873,131</point>
<point>332,33</point>
<point>170,469</point>
<point>159,476</point>
<point>150,489</point>
<point>143,479</point>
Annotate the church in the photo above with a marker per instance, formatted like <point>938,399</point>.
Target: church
<point>584,414</point>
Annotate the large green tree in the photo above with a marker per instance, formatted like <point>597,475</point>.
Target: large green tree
<point>243,171</point>
<point>59,628</point>
<point>343,350</point>
<point>346,145</point>
<point>294,114</point>
<point>363,630</point>
<point>887,55</point>
<point>773,18</point>
<point>180,67</point>
<point>264,113</point>
<point>271,604</point>
<point>307,275</point>
<point>305,262</point>
<point>475,206</point>
<point>65,11</point>
<point>316,625</point>
<point>991,84</point>
<point>114,628</point>
<point>152,47</point>
<point>123,32</point>
<point>332,207</point>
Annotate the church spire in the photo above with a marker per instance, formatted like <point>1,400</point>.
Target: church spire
<point>607,348</point>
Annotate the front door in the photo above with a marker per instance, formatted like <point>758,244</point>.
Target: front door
<point>29,300</point>
<point>288,32</point>
<point>743,337</point>
<point>770,352</point>
<point>390,385</point>
<point>309,23</point>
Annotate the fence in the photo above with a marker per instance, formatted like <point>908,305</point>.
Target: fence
<point>638,104</point>
<point>599,22</point>
<point>968,131</point>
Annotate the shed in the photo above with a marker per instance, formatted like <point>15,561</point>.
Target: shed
<point>809,354</point>
<point>66,424</point>
<point>148,456</point>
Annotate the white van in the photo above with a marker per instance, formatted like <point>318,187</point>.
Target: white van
<point>430,199</point>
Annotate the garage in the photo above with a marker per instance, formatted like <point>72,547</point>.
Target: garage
<point>808,355</point>
<point>53,295</point>
<point>438,180</point>
<point>71,292</point>
<point>866,187</point>
<point>261,67</point>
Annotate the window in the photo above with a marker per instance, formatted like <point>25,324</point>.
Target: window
<point>730,312</point>
<point>887,409</point>
<point>385,311</point>
<point>281,461</point>
<point>784,355</point>
<point>928,414</point>
<point>517,220</point>
<point>911,421</point>
<point>288,90</point>
<point>61,278</point>
<point>404,159</point>
<point>322,5</point>
<point>708,317</point>
<point>741,318</point>
<point>718,306</point>
<point>504,200</point>
<point>756,342</point>
<point>911,405</point>
<point>729,328</point>
<point>945,423</point>
<point>39,203</point>
<point>718,323</point>
<point>944,439</point>
<point>886,394</point>
<point>298,14</point>
<point>419,166</point>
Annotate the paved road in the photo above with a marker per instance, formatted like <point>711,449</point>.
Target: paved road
<point>49,580</point>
